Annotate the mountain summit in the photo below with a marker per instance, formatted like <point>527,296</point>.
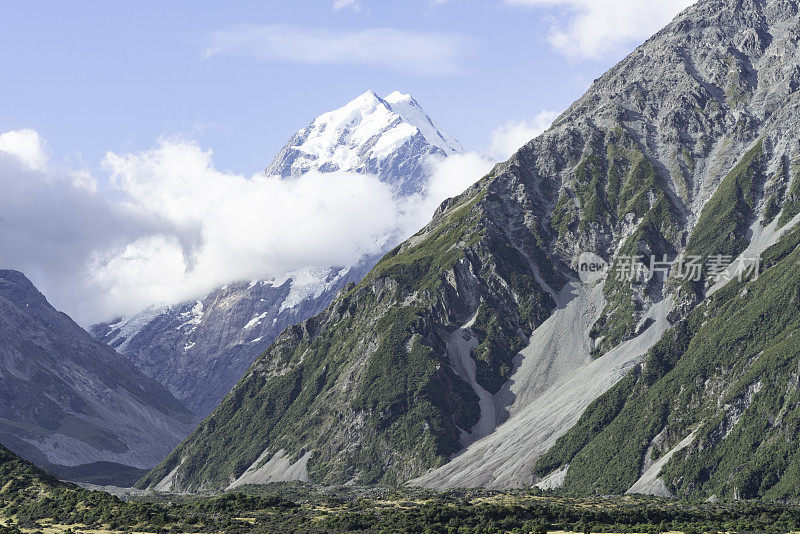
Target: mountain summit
<point>389,137</point>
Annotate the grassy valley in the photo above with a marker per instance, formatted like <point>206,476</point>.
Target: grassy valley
<point>32,501</point>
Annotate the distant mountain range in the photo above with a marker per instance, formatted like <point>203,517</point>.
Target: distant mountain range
<point>473,355</point>
<point>67,401</point>
<point>199,349</point>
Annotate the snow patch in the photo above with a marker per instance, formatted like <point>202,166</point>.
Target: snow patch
<point>130,326</point>
<point>255,320</point>
<point>309,284</point>
<point>193,316</point>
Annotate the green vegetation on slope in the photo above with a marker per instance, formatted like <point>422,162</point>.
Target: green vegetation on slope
<point>404,397</point>
<point>279,508</point>
<point>590,177</point>
<point>501,335</point>
<point>726,217</point>
<point>622,187</point>
<point>31,501</point>
<point>792,206</point>
<point>402,391</point>
<point>616,185</point>
<point>375,362</point>
<point>729,372</point>
<point>419,266</point>
<point>289,400</point>
<point>653,239</point>
<point>499,342</point>
<point>612,181</point>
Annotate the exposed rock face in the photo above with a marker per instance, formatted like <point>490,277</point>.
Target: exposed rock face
<point>389,137</point>
<point>688,147</point>
<point>67,399</point>
<point>199,349</point>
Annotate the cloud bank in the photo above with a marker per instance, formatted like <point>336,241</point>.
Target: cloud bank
<point>414,52</point>
<point>174,227</point>
<point>510,137</point>
<point>596,28</point>
<point>52,221</point>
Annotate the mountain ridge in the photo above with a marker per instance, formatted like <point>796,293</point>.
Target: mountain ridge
<point>685,148</point>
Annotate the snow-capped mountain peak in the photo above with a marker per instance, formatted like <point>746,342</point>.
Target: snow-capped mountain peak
<point>389,137</point>
<point>412,113</point>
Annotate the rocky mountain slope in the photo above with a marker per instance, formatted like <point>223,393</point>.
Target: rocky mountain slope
<point>389,137</point>
<point>199,349</point>
<point>68,400</point>
<point>473,355</point>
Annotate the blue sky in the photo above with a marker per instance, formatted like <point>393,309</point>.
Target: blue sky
<point>131,133</point>
<point>93,77</point>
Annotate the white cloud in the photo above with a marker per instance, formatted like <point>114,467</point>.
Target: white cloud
<point>345,4</point>
<point>177,227</point>
<point>452,175</point>
<point>408,51</point>
<point>26,147</point>
<point>596,28</point>
<point>53,220</point>
<point>510,137</point>
<point>226,227</point>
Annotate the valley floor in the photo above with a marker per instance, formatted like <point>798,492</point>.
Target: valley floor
<point>305,508</point>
